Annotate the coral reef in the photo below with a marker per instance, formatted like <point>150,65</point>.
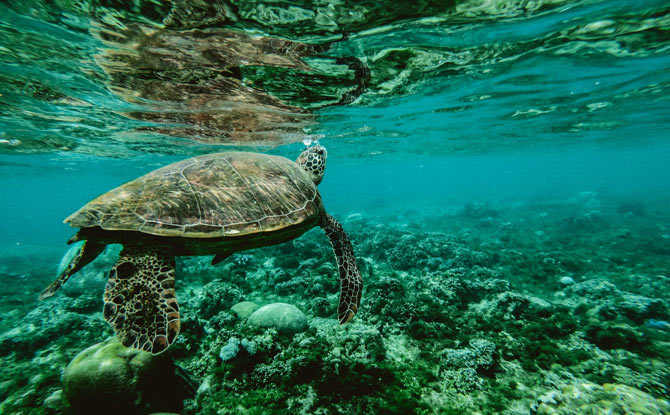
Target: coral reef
<point>589,398</point>
<point>488,309</point>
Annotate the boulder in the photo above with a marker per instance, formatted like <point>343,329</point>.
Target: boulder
<point>108,378</point>
<point>286,318</point>
<point>244,309</point>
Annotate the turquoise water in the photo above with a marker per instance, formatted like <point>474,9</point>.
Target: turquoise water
<point>501,168</point>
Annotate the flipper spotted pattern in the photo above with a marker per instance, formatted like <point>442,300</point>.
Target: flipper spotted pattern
<point>140,301</point>
<point>351,283</point>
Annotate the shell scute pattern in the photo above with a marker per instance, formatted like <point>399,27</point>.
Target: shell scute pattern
<point>208,196</point>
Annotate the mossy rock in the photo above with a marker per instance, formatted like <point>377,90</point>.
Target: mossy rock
<point>244,309</point>
<point>109,378</point>
<point>286,318</point>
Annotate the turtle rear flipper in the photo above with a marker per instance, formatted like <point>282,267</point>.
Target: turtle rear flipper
<point>88,251</point>
<point>140,301</point>
<point>351,283</point>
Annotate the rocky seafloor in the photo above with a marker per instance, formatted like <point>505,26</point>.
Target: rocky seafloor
<point>541,307</point>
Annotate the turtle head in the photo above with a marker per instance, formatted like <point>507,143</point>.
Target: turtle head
<point>313,161</point>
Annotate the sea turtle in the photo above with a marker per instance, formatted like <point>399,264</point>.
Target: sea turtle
<point>211,204</point>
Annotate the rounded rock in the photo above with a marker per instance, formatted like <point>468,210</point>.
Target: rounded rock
<point>286,318</point>
<point>110,378</point>
<point>566,280</point>
<point>56,401</point>
<point>244,309</point>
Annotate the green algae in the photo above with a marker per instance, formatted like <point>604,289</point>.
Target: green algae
<point>110,378</point>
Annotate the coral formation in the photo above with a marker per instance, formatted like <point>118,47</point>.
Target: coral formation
<point>589,398</point>
<point>110,378</point>
<point>461,314</point>
<point>244,309</point>
<point>285,318</point>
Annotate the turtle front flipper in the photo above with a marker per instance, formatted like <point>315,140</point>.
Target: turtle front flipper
<point>87,252</point>
<point>220,257</point>
<point>140,300</point>
<point>351,283</point>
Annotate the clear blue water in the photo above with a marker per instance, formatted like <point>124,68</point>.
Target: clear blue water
<point>424,108</point>
<point>485,101</point>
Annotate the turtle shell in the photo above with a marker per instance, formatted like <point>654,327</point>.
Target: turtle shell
<point>209,196</point>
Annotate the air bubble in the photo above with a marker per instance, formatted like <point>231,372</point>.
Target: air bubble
<point>11,142</point>
<point>312,139</point>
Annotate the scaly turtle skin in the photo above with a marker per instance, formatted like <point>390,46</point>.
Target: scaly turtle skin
<point>212,204</point>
